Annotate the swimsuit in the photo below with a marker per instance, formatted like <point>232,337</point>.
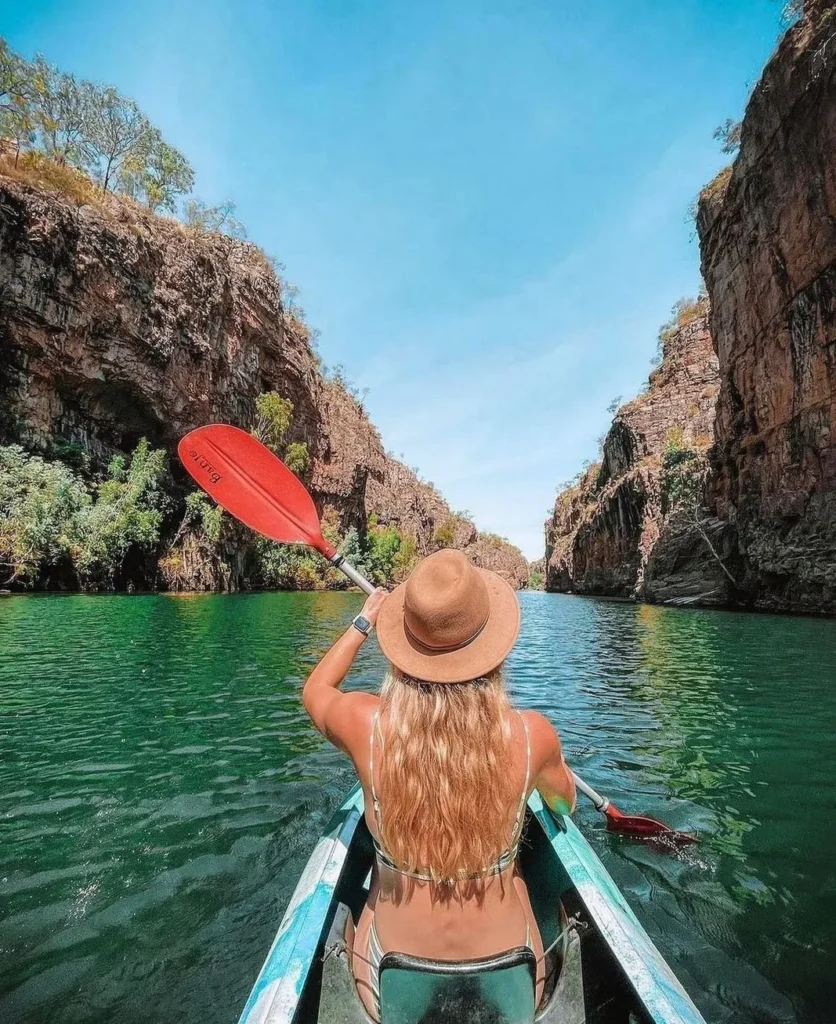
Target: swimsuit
<point>502,863</point>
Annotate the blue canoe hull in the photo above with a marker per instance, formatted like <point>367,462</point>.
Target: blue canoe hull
<point>626,958</point>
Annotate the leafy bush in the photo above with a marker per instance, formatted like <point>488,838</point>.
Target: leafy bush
<point>273,414</point>
<point>289,566</point>
<point>39,505</point>
<point>203,514</point>
<point>72,455</point>
<point>406,558</point>
<point>296,457</point>
<point>683,474</point>
<point>354,551</point>
<point>535,580</point>
<point>383,546</point>
<point>128,511</point>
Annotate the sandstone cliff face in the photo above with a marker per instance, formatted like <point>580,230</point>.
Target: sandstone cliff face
<point>607,527</point>
<point>116,325</point>
<point>768,241</point>
<point>766,534</point>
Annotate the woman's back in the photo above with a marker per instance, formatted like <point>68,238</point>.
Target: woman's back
<point>446,766</point>
<point>445,918</point>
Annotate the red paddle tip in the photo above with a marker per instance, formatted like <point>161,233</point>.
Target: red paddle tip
<point>640,827</point>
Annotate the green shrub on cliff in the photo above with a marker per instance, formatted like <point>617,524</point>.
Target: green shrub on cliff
<point>128,512</point>
<point>296,457</point>
<point>405,559</point>
<point>683,475</point>
<point>272,419</point>
<point>201,512</point>
<point>535,580</point>
<point>445,533</point>
<point>383,543</point>
<point>39,505</point>
<point>273,416</point>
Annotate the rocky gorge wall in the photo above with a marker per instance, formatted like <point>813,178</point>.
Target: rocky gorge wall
<point>768,242</point>
<point>116,325</point>
<point>610,534</point>
<point>762,533</point>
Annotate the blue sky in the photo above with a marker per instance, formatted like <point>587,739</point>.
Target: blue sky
<point>483,204</point>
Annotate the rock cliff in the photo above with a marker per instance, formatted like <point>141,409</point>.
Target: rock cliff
<point>116,325</point>
<point>761,532</point>
<point>768,241</point>
<point>608,525</point>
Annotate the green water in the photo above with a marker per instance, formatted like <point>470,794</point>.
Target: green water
<point>160,790</point>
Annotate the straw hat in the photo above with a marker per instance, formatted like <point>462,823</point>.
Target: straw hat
<point>450,622</point>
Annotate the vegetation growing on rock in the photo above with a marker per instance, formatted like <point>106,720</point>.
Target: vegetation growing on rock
<point>52,522</point>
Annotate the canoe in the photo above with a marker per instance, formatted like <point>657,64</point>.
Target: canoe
<point>604,968</point>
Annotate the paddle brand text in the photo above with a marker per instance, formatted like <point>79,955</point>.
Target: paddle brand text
<point>205,465</point>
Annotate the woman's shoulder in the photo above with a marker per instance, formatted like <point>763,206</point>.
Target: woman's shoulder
<point>350,719</point>
<point>543,735</point>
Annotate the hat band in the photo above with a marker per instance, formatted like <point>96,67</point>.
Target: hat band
<point>442,648</point>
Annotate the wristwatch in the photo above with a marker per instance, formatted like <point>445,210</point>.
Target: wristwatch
<point>362,624</point>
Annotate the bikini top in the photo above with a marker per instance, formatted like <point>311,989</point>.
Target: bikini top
<point>506,858</point>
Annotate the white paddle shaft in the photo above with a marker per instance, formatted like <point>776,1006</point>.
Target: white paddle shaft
<point>356,578</point>
<point>601,802</point>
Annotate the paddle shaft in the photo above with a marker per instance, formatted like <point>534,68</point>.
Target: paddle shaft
<point>601,803</point>
<point>358,579</point>
<point>249,480</point>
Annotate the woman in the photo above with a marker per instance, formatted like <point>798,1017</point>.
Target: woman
<point>446,766</point>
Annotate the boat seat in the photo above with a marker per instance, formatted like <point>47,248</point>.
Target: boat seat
<point>416,990</point>
<point>493,990</point>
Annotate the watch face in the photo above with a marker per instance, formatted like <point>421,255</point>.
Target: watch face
<point>362,623</point>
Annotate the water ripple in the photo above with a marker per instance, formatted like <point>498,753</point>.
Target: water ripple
<point>161,789</point>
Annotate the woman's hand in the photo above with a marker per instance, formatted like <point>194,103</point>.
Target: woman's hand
<point>373,604</point>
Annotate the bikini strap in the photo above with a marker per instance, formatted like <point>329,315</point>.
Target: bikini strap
<point>375,800</point>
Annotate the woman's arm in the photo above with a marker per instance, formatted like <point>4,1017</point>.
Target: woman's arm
<point>555,781</point>
<point>321,695</point>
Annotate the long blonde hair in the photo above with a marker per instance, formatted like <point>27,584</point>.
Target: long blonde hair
<point>445,782</point>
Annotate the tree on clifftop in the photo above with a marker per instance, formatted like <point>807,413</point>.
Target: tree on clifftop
<point>14,77</point>
<point>220,218</point>
<point>59,113</point>
<point>156,172</point>
<point>116,130</point>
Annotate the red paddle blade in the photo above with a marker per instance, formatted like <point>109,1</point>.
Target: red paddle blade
<point>253,485</point>
<point>644,828</point>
